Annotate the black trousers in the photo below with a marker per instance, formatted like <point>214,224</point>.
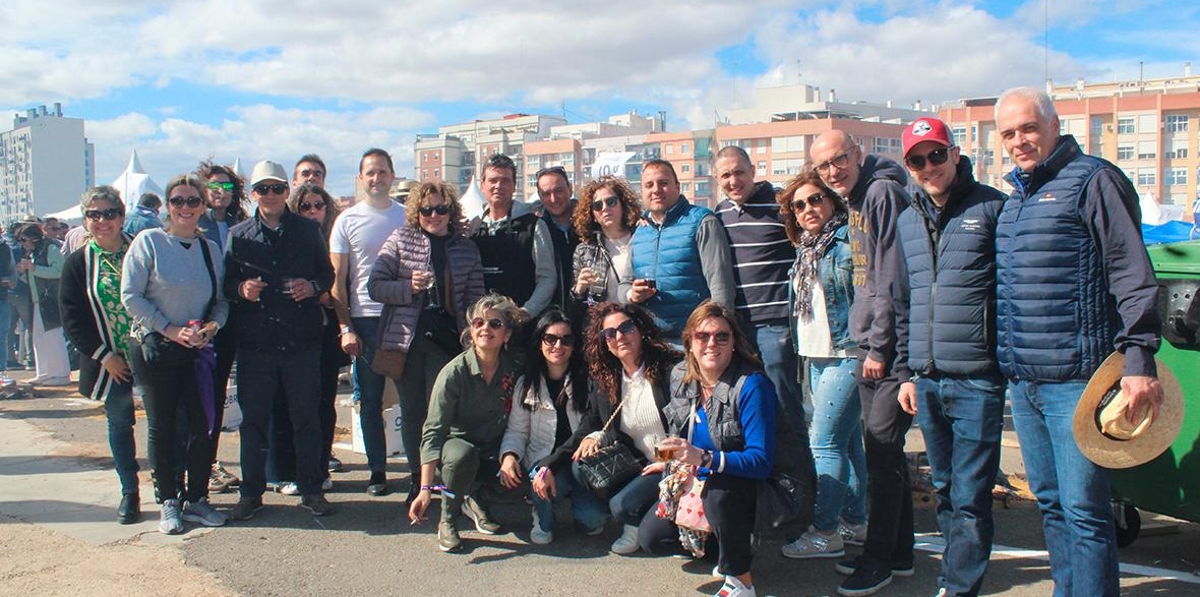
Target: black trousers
<point>889,490</point>
<point>281,455</point>
<point>226,348</point>
<point>169,393</point>
<point>729,504</point>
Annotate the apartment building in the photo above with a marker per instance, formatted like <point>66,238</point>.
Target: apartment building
<point>46,163</point>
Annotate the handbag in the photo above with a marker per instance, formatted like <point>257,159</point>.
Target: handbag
<point>689,514</point>
<point>610,468</point>
<point>389,362</point>
<point>442,328</point>
<point>782,500</point>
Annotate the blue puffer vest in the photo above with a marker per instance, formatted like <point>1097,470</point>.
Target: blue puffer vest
<point>1055,319</point>
<point>951,259</point>
<point>836,274</point>
<point>670,253</point>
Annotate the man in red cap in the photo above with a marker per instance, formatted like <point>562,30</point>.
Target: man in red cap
<point>945,332</point>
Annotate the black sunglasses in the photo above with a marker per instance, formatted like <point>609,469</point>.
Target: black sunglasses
<point>440,210</point>
<point>814,200</point>
<point>277,187</point>
<point>599,204</point>
<point>551,170</point>
<point>551,339</point>
<point>182,201</point>
<point>111,213</point>
<point>720,338</point>
<point>495,323</point>
<point>306,206</point>
<point>625,328</point>
<point>937,157</point>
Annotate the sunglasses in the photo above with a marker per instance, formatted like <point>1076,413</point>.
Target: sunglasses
<point>277,187</point>
<point>551,339</point>
<point>188,201</point>
<point>111,213</point>
<point>937,157</point>
<point>306,206</point>
<point>599,204</point>
<point>440,210</point>
<point>815,200</point>
<point>625,328</point>
<point>495,323</point>
<point>719,338</point>
<point>840,162</point>
<point>220,186</point>
<point>551,170</point>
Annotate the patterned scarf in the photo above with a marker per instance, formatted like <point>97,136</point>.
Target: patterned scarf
<point>808,260</point>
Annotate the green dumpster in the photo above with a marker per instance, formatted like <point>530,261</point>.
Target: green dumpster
<point>1170,484</point>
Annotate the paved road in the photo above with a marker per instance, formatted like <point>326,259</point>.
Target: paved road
<point>55,474</point>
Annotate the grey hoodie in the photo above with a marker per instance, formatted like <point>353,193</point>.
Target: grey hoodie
<point>875,204</point>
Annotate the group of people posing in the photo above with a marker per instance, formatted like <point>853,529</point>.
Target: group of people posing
<point>524,344</point>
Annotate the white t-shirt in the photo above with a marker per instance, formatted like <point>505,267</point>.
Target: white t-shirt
<point>814,338</point>
<point>360,232</point>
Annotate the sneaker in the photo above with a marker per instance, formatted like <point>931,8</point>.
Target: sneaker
<point>317,504</point>
<point>335,465</point>
<point>226,477</point>
<point>377,486</point>
<point>734,588</point>
<point>202,513</point>
<point>866,580</point>
<point>627,543</point>
<point>813,544</point>
<point>170,521</point>
<point>853,534</point>
<point>474,510</point>
<point>848,566</point>
<point>327,484</point>
<point>216,485</point>
<point>448,539</point>
<point>246,508</point>
<point>536,535</point>
<point>55,381</point>
<point>288,488</point>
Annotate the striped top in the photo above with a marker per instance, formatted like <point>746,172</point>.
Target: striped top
<point>762,255</point>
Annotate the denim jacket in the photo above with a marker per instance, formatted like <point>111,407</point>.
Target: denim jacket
<point>836,275</point>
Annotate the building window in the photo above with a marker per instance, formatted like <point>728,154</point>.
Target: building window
<point>786,167</point>
<point>531,180</point>
<point>1097,126</point>
<point>762,169</point>
<point>1175,176</point>
<point>959,133</point>
<point>702,169</point>
<point>761,147</point>
<point>437,155</point>
<point>436,173</point>
<point>424,157</point>
<point>685,168</point>
<point>1124,152</point>
<point>668,149</point>
<point>1145,177</point>
<point>685,187</point>
<point>684,147</point>
<point>1177,123</point>
<point>787,144</point>
<point>702,188</point>
<point>1147,150</point>
<point>1125,126</point>
<point>1180,153</point>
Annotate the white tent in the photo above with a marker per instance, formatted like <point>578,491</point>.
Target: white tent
<point>133,182</point>
<point>472,201</point>
<point>70,215</point>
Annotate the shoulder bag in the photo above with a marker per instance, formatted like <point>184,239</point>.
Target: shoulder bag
<point>610,468</point>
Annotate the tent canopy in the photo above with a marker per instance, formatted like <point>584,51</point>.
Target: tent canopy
<point>133,182</point>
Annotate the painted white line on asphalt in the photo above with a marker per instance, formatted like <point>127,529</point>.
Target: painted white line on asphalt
<point>933,543</point>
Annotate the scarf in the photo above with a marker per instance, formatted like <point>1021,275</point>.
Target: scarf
<point>808,257</point>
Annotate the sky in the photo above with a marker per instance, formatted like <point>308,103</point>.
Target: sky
<point>181,82</point>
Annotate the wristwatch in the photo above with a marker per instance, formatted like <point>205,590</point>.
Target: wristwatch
<point>343,330</point>
<point>317,290</point>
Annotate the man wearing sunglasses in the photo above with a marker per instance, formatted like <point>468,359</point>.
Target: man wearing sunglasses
<point>276,264</point>
<point>945,322</point>
<point>873,188</point>
<point>554,189</point>
<point>514,244</point>
<point>145,215</point>
<point>1074,283</point>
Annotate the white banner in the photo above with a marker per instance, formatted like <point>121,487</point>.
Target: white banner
<point>611,164</point>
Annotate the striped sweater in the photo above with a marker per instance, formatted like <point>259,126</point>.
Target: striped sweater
<point>762,255</point>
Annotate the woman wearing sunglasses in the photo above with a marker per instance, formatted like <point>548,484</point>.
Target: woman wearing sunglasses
<point>604,219</point>
<point>551,399</point>
<point>724,418</point>
<point>225,196</point>
<point>427,274</point>
<point>822,291</point>
<point>631,369</point>
<point>171,288</point>
<point>97,324</point>
<point>468,414</point>
<point>40,268</point>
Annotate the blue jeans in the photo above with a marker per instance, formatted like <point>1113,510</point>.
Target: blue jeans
<point>837,447</point>
<point>961,420</point>
<point>778,354</point>
<point>1072,493</point>
<point>118,409</point>
<point>370,385</point>
<point>634,500</point>
<point>589,512</point>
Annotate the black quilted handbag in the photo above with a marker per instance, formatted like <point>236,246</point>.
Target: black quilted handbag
<point>607,470</point>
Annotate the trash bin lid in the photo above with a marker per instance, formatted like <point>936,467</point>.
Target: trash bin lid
<point>1176,259</point>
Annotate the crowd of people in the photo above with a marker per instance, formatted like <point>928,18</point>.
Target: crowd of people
<point>620,325</point>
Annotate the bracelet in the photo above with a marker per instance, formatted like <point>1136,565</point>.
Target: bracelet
<point>706,459</point>
<point>343,330</point>
<point>432,487</point>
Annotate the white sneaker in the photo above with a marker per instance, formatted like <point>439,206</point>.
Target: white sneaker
<point>288,488</point>
<point>627,543</point>
<point>853,534</point>
<point>536,535</point>
<point>813,544</point>
<point>201,512</point>
<point>734,588</point>
<point>170,521</point>
<point>327,484</point>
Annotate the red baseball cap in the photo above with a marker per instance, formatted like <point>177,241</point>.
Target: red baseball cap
<point>926,129</point>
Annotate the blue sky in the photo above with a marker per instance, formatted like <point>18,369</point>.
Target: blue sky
<point>273,79</point>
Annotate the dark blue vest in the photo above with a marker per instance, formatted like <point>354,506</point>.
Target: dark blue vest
<point>670,253</point>
<point>1055,318</point>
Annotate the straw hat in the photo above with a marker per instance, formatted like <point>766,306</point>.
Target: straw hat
<point>1103,434</point>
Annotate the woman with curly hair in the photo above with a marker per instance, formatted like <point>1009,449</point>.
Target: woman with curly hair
<point>631,367</point>
<point>604,219</point>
